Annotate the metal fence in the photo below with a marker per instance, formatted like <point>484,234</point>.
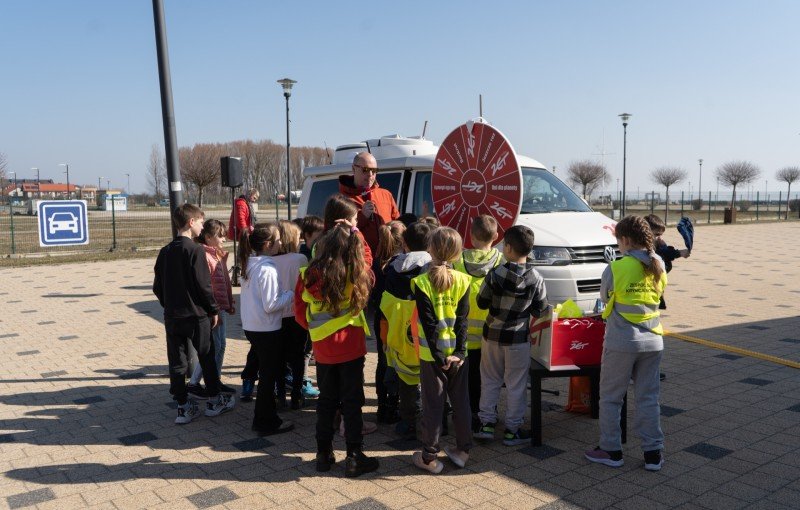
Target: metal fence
<point>147,228</point>
<point>749,206</point>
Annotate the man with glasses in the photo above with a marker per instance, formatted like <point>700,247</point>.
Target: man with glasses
<point>376,206</point>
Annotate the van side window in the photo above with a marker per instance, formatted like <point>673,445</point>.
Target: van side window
<point>422,204</point>
<point>321,190</point>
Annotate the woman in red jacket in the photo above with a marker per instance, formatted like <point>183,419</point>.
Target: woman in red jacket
<point>329,301</point>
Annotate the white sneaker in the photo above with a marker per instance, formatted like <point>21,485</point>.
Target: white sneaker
<point>435,466</point>
<point>458,457</point>
<point>187,412</point>
<point>222,404</point>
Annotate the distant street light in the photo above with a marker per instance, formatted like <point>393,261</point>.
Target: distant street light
<point>625,117</point>
<point>69,195</point>
<point>700,181</point>
<point>287,84</point>
<point>128,189</point>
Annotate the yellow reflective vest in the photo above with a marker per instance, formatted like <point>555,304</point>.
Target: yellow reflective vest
<point>322,323</point>
<point>477,317</point>
<point>402,337</point>
<point>635,295</point>
<point>444,307</point>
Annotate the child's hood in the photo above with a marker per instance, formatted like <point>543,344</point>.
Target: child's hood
<point>516,278</point>
<point>478,263</point>
<point>644,257</point>
<point>258,262</point>
<point>411,261</point>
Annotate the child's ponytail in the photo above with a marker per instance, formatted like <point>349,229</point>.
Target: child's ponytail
<point>390,241</point>
<point>445,247</point>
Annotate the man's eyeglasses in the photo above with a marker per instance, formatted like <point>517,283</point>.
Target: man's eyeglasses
<point>366,169</point>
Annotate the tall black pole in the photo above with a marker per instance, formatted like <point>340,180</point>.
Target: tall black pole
<point>624,162</point>
<point>288,174</point>
<point>167,112</point>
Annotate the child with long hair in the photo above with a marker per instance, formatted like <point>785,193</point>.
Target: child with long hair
<point>288,262</point>
<point>442,296</point>
<point>263,303</point>
<point>390,243</point>
<point>211,237</point>
<point>632,286</point>
<point>330,298</point>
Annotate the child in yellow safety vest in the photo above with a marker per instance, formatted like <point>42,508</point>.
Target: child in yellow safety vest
<point>442,296</point>
<point>476,263</point>
<point>390,244</point>
<point>631,286</point>
<point>330,298</point>
<point>399,311</point>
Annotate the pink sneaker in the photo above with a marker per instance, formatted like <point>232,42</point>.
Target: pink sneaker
<point>613,459</point>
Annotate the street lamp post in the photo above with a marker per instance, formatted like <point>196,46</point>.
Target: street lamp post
<point>15,183</point>
<point>287,84</point>
<point>38,191</point>
<point>69,195</point>
<point>625,117</point>
<point>700,181</point>
<point>128,189</point>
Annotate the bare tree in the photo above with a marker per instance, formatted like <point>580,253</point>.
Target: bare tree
<point>157,172</point>
<point>200,167</point>
<point>788,175</point>
<point>734,173</point>
<point>587,174</point>
<point>667,176</point>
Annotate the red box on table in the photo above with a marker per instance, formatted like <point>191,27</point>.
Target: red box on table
<point>565,344</point>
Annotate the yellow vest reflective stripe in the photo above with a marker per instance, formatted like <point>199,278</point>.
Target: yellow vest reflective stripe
<point>444,306</point>
<point>635,296</point>
<point>402,339</point>
<point>477,317</point>
<point>322,323</point>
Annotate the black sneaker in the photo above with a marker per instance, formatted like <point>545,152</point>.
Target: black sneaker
<point>324,461</point>
<point>286,426</point>
<point>196,391</point>
<point>224,388</point>
<point>653,460</point>
<point>357,464</point>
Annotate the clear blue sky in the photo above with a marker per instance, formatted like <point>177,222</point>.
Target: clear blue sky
<point>712,80</point>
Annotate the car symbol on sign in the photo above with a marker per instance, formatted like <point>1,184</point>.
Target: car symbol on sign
<point>61,221</point>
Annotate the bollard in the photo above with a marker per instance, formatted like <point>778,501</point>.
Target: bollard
<point>113,224</point>
<point>11,218</point>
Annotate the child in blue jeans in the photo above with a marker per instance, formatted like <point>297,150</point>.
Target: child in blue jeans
<point>631,287</point>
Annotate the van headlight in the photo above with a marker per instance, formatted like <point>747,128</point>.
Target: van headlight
<point>550,256</point>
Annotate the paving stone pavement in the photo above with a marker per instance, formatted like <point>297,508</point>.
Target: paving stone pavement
<point>86,418</point>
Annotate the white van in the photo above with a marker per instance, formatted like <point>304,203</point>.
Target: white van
<point>573,243</point>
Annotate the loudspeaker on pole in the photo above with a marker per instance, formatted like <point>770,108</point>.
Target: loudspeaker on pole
<point>231,171</point>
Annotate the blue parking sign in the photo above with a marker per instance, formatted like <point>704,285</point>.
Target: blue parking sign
<point>62,222</point>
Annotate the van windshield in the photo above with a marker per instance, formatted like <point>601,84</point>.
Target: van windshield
<point>543,192</point>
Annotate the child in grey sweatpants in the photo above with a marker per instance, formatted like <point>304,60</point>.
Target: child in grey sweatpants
<point>631,287</point>
<point>512,292</point>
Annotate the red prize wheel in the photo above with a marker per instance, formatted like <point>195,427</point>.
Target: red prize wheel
<point>476,172</point>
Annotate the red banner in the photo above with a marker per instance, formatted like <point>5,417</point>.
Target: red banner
<point>476,172</point>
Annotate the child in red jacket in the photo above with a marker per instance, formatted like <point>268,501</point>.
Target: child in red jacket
<point>329,301</point>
